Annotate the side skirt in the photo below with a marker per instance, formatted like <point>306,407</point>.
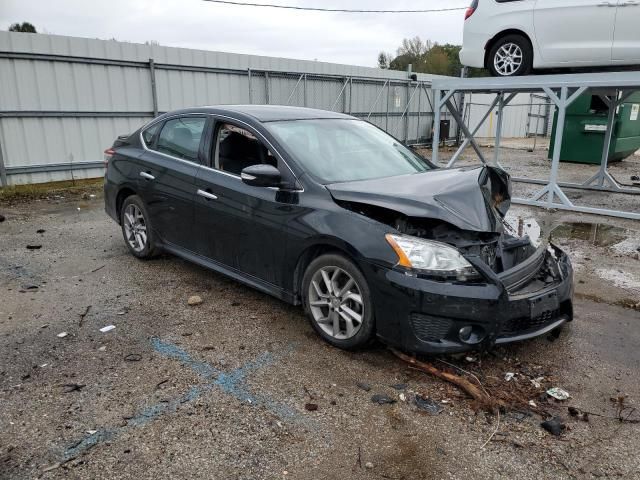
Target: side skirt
<point>249,280</point>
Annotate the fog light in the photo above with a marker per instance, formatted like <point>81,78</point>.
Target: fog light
<point>471,334</point>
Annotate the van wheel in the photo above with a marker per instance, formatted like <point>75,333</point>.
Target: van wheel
<point>136,228</point>
<point>511,56</point>
<point>337,300</point>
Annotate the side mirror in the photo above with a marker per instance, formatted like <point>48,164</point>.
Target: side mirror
<point>261,176</point>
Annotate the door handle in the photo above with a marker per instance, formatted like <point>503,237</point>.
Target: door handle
<point>147,176</point>
<point>207,195</point>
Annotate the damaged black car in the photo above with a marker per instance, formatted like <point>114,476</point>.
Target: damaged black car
<point>327,211</point>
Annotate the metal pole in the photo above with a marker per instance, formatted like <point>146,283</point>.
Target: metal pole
<point>3,170</point>
<point>294,89</point>
<point>386,120</point>
<point>435,138</point>
<point>419,108</point>
<point>154,92</point>
<point>406,118</point>
<point>463,74</point>
<point>249,78</point>
<point>562,113</point>
<point>304,100</point>
<point>350,94</point>
<point>496,154</point>
<point>266,87</point>
<point>613,103</point>
<point>375,104</point>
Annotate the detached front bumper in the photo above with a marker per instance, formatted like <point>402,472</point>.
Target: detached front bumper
<point>426,316</point>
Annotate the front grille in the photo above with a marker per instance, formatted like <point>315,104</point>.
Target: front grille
<point>429,328</point>
<point>526,324</point>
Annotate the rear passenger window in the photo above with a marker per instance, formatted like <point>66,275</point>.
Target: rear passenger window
<point>180,137</point>
<point>237,148</point>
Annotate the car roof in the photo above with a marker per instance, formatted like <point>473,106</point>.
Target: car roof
<point>268,113</point>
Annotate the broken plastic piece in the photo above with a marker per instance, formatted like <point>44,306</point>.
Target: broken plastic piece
<point>62,334</point>
<point>558,393</point>
<point>509,376</point>
<point>108,328</point>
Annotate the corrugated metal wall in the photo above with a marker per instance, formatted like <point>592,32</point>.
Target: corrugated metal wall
<point>524,115</point>
<point>63,100</point>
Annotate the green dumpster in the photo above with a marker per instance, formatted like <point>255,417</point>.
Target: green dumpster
<point>585,128</point>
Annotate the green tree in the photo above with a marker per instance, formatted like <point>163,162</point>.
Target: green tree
<point>23,27</point>
<point>426,56</point>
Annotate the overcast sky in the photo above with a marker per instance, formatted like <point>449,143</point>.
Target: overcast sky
<point>350,38</point>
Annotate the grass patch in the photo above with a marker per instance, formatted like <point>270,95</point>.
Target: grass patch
<point>17,193</point>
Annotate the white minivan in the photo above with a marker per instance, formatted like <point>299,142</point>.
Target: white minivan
<point>512,37</point>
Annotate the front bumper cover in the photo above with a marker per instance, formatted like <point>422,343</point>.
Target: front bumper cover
<point>425,316</point>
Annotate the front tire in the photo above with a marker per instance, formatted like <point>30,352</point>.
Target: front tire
<point>511,56</point>
<point>136,228</point>
<point>337,300</point>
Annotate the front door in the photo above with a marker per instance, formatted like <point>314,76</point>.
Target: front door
<point>575,31</point>
<point>237,225</point>
<point>626,43</point>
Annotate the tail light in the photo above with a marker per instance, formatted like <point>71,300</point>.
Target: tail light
<point>471,10</point>
<point>108,154</point>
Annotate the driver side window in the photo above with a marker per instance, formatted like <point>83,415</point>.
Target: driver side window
<point>237,148</point>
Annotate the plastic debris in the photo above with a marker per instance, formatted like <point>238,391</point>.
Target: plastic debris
<point>382,399</point>
<point>34,247</point>
<point>558,393</point>
<point>368,465</point>
<point>92,432</point>
<point>533,404</point>
<point>194,300</point>
<point>555,426</point>
<point>509,376</point>
<point>471,359</point>
<point>428,405</point>
<point>403,397</point>
<point>311,407</point>
<point>62,334</point>
<point>108,328</point>
<point>102,348</point>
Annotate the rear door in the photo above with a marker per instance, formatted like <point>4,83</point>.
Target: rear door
<point>576,32</point>
<point>167,178</point>
<point>237,225</point>
<point>626,43</point>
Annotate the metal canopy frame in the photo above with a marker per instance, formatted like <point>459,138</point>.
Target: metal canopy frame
<point>613,87</point>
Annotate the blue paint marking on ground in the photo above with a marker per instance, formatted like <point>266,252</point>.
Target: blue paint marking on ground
<point>232,383</point>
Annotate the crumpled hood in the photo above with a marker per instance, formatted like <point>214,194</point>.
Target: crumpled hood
<point>463,197</point>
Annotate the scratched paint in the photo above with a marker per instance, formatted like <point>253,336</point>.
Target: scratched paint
<point>232,383</point>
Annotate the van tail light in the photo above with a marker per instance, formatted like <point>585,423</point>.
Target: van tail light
<point>470,11</point>
<point>108,154</point>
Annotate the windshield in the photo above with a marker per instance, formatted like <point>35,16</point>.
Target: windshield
<point>341,150</point>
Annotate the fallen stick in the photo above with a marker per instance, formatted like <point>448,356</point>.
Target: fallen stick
<point>471,389</point>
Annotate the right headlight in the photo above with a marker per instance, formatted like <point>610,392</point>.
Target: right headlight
<point>431,258</point>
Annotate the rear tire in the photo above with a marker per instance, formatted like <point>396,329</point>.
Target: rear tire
<point>337,300</point>
<point>510,56</point>
<point>136,228</point>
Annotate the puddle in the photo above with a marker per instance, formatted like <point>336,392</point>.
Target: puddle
<point>621,240</point>
<point>596,234</point>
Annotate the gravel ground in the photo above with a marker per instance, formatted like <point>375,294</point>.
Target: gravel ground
<point>227,389</point>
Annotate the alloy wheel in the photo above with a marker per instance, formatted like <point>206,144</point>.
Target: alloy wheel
<point>508,59</point>
<point>336,302</point>
<point>135,228</point>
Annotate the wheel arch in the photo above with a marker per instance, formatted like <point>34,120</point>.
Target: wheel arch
<point>501,35</point>
<point>311,252</point>
<point>123,194</point>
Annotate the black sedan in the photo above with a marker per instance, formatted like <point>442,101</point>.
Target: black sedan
<point>328,211</point>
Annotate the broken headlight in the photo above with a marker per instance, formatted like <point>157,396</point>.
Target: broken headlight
<point>431,258</point>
